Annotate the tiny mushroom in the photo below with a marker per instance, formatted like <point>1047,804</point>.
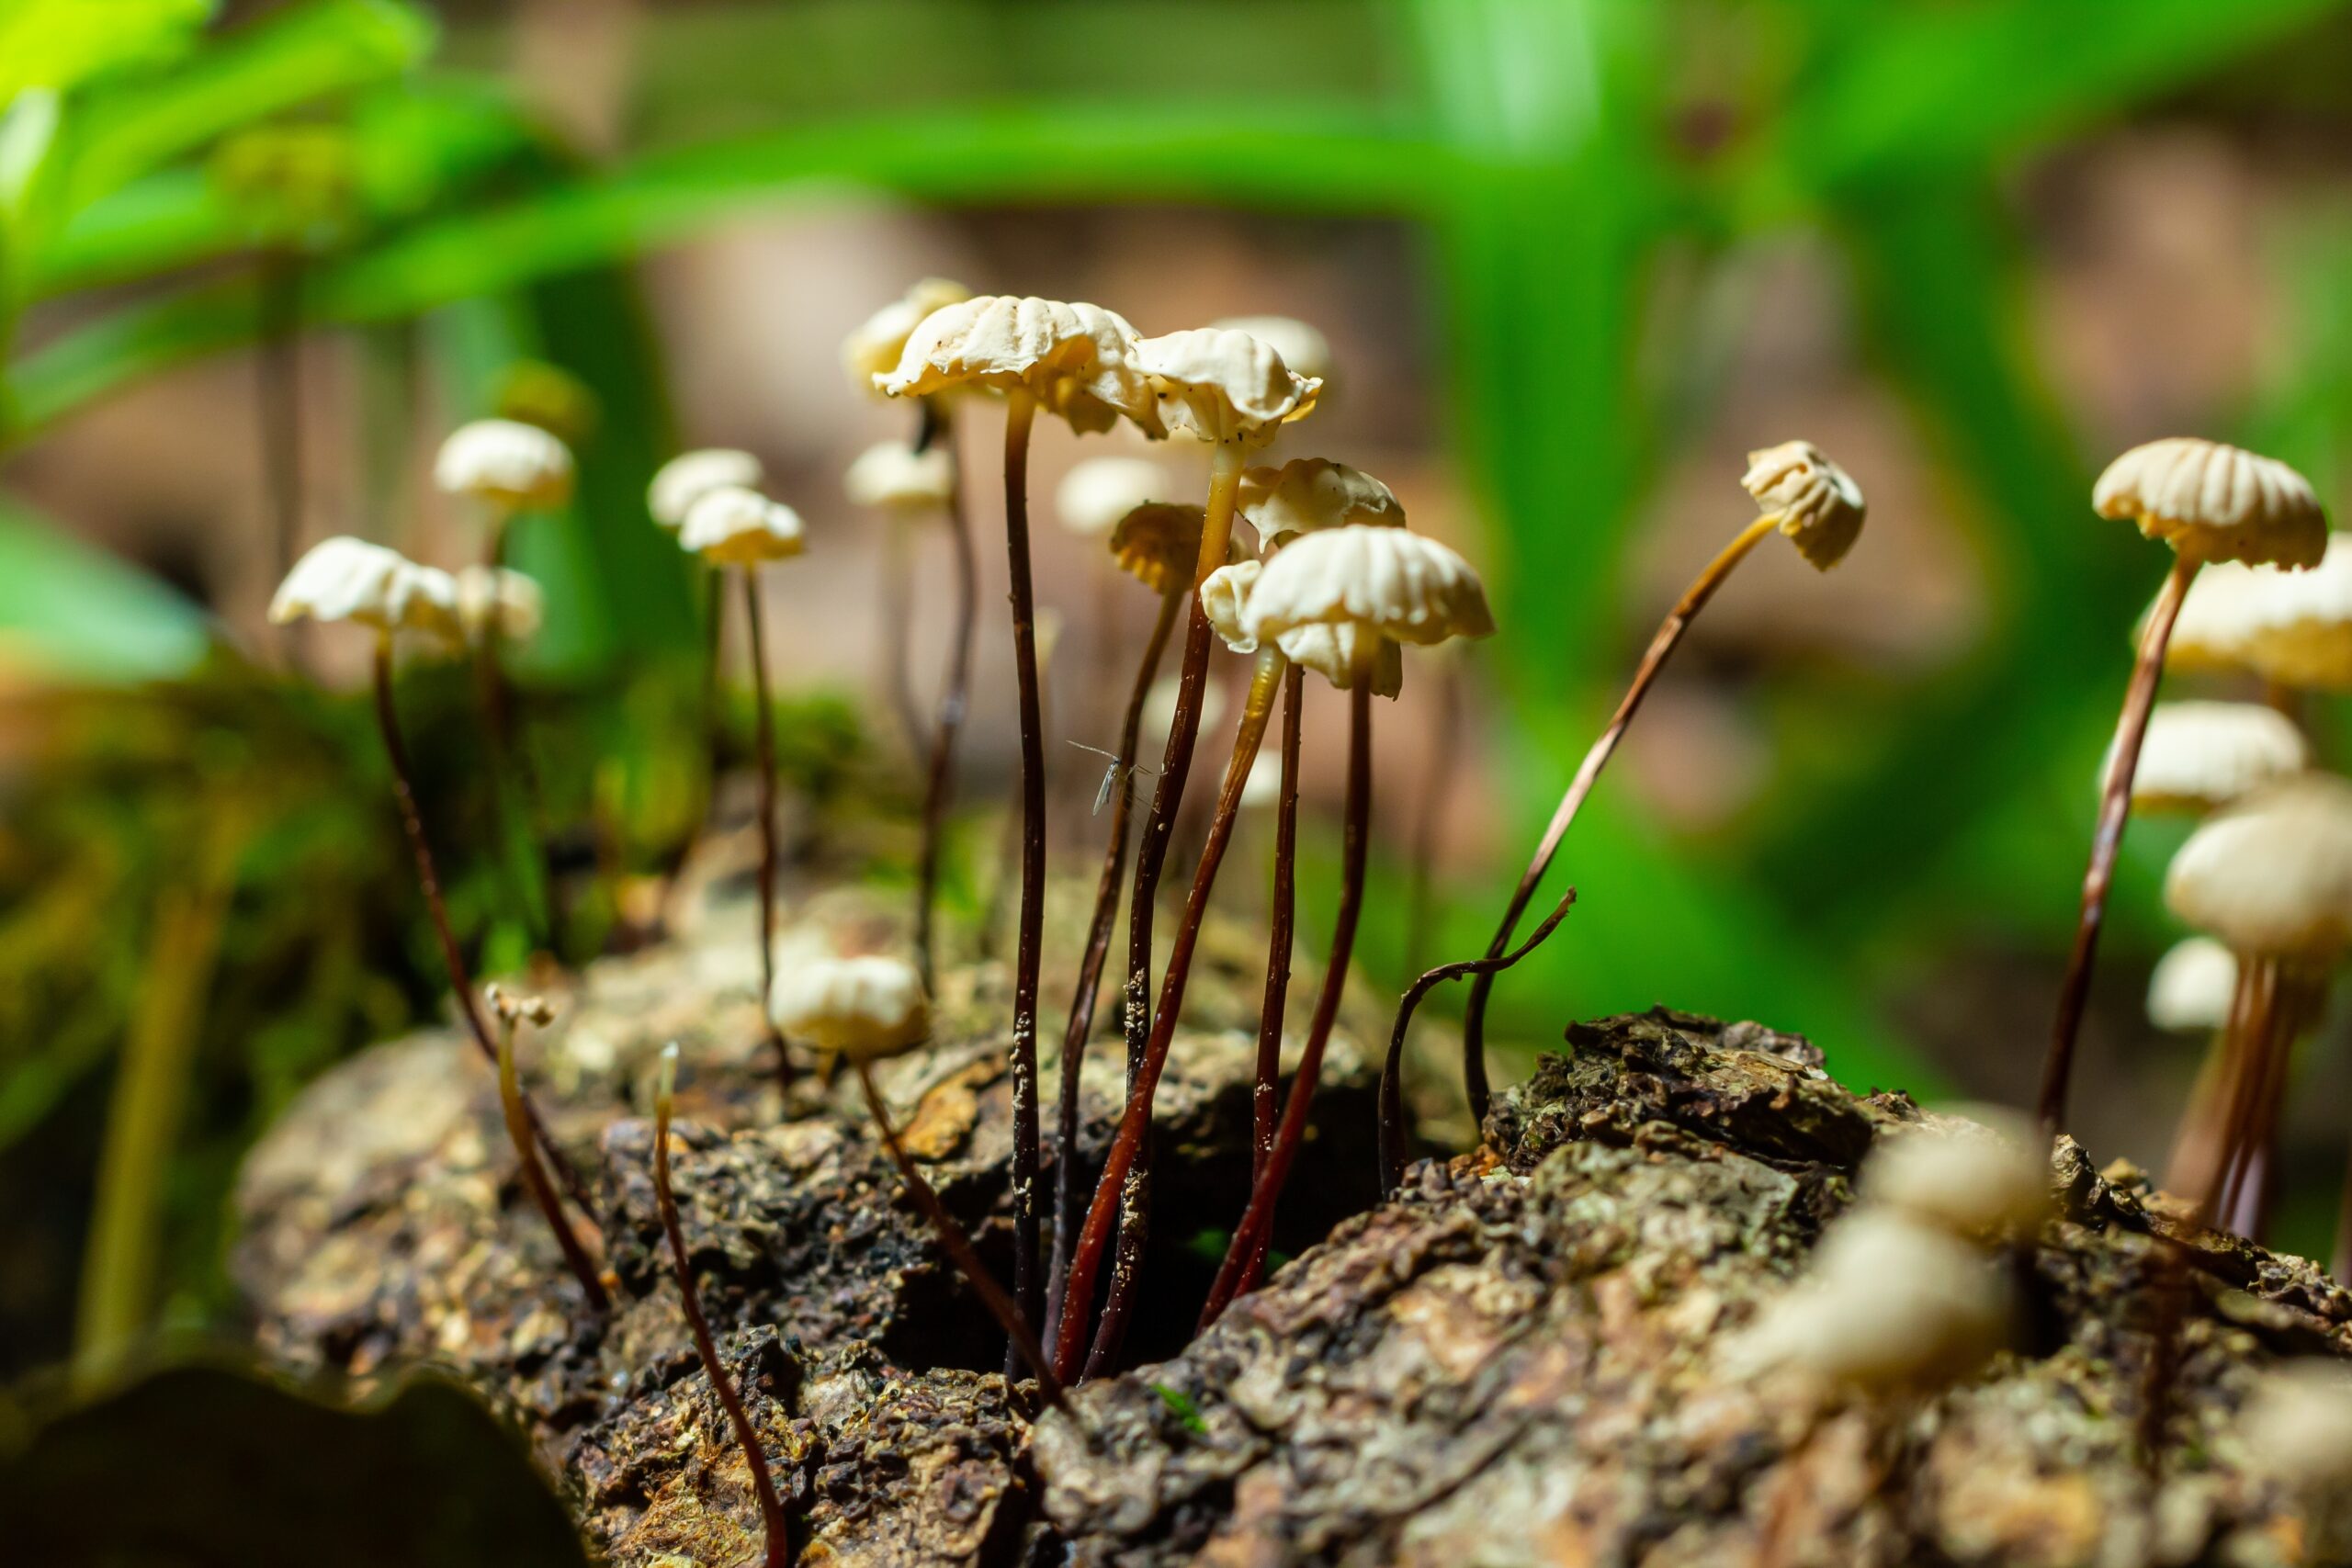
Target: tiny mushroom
<point>1808,498</point>
<point>734,526</point>
<point>1981,1181</point>
<point>1306,495</point>
<point>2191,985</point>
<point>2201,755</point>
<point>1158,544</point>
<point>512,1011</point>
<point>872,349</point>
<point>510,466</point>
<point>497,602</point>
<point>860,1009</point>
<point>1095,494</point>
<point>893,477</point>
<point>688,477</point>
<point>1225,386</point>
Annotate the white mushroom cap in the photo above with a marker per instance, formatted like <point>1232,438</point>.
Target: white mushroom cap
<point>2200,755</point>
<point>688,477</point>
<point>741,527</point>
<point>1224,385</point>
<point>495,600</point>
<point>2272,874</point>
<point>872,348</point>
<point>864,1009</point>
<point>2297,1426</point>
<point>1819,506</point>
<point>1302,348</point>
<point>2193,986</point>
<point>1225,600</point>
<point>343,578</point>
<point>1078,360</point>
<point>894,475</point>
<point>1332,652</point>
<point>1096,494</point>
<point>1975,1178</point>
<point>1401,585</point>
<point>1160,705</point>
<point>2291,627</point>
<point>2215,502</point>
<point>507,463</point>
<point>1263,785</point>
<point>1306,495</point>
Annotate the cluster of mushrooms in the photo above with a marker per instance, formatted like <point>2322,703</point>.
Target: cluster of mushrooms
<point>1307,566</point>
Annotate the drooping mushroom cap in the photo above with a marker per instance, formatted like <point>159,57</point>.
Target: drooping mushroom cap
<point>2297,1428</point>
<point>343,578</point>
<point>1974,1177</point>
<point>493,600</point>
<point>872,349</point>
<point>1223,385</point>
<point>509,464</point>
<point>2272,874</point>
<point>1332,652</point>
<point>2215,502</point>
<point>2193,986</point>
<point>741,527</point>
<point>1819,506</point>
<point>865,1008</point>
<point>1396,584</point>
<point>1307,495</point>
<point>688,477</point>
<point>1076,360</point>
<point>2200,755</point>
<point>1096,494</point>
<point>895,477</point>
<point>1302,348</point>
<point>1225,601</point>
<point>1159,543</point>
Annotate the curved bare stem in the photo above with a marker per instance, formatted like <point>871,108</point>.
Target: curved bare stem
<point>763,729</point>
<point>535,1179</point>
<point>1281,922</point>
<point>1020,412</point>
<point>939,793</point>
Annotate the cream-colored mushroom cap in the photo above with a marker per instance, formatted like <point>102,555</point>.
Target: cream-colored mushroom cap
<point>1303,349</point>
<point>1262,786</point>
<point>1223,385</point>
<point>872,348</point>
<point>2296,626</point>
<point>343,578</point>
<point>2212,633</point>
<point>864,1008</point>
<point>741,527</point>
<point>1307,495</point>
<point>688,477</point>
<point>2193,986</point>
<point>1225,601</point>
<point>1160,705</point>
<point>1159,543</point>
<point>507,463</point>
<point>895,477</point>
<point>1401,585</point>
<point>1818,505</point>
<point>1333,652</point>
<point>2215,502</point>
<point>2200,755</point>
<point>494,601</point>
<point>1078,360</point>
<point>1972,1176</point>
<point>1096,494</point>
<point>2272,874</point>
<point>2297,1428</point>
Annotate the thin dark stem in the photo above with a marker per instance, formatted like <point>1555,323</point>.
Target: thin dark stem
<point>2114,812</point>
<point>1245,1256</point>
<point>714,630</point>
<point>508,757</point>
<point>896,610</point>
<point>954,698</point>
<point>542,1191</point>
<point>764,729</point>
<point>1098,947</point>
<point>1429,812</point>
<point>1028,1291</point>
<point>773,1519</point>
<point>1662,645</point>
<point>958,1246</point>
<point>452,957</point>
<point>1281,920</point>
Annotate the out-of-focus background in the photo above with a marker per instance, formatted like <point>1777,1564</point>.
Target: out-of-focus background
<point>1574,258</point>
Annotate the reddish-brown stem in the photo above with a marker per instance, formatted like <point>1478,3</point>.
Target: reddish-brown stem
<point>2114,812</point>
<point>714,632</point>
<point>1245,1256</point>
<point>2244,1203</point>
<point>763,731</point>
<point>773,1519</point>
<point>1662,645</point>
<point>1281,920</point>
<point>958,1246</point>
<point>452,957</point>
<point>1098,947</point>
<point>535,1179</point>
<point>939,793</point>
<point>1028,1294</point>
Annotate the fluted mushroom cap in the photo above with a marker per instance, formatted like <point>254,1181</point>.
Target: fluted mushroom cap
<point>1976,1179</point>
<point>2272,874</point>
<point>1303,349</point>
<point>2290,627</point>
<point>895,477</point>
<point>1331,651</point>
<point>1819,506</point>
<point>1307,495</point>
<point>2193,986</point>
<point>2215,502</point>
<point>493,600</point>
<point>873,347</point>
<point>1159,543</point>
<point>1096,494</point>
<point>2297,1428</point>
<point>1222,384</point>
<point>506,463</point>
<point>2200,755</point>
<point>1398,584</point>
<point>864,1009</point>
<point>741,527</point>
<point>343,578</point>
<point>688,477</point>
<point>1078,360</point>
<point>1225,601</point>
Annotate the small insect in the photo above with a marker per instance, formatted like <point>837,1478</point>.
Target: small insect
<point>1115,777</point>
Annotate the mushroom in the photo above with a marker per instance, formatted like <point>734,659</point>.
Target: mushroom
<point>742,528</point>
<point>866,1009</point>
<point>1801,493</point>
<point>1076,361</point>
<point>2209,503</point>
<point>497,602</point>
<point>2191,986</point>
<point>1302,348</point>
<point>777,1526</point>
<point>1310,493</point>
<point>2197,756</point>
<point>1095,494</point>
<point>688,477</point>
<point>512,1011</point>
<point>1978,1178</point>
<point>872,348</point>
<point>343,578</point>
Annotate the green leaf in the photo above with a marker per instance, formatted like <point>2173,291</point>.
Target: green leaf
<point>61,44</point>
<point>76,613</point>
